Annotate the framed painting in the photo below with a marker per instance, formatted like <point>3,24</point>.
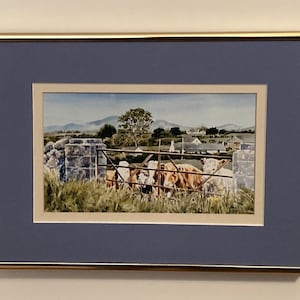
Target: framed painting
<point>186,154</point>
<point>158,151</point>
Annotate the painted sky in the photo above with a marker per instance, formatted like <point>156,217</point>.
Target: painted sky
<point>191,110</point>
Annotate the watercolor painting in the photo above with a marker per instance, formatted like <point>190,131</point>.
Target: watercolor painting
<point>141,152</point>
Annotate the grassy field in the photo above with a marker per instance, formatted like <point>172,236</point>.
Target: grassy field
<point>90,196</point>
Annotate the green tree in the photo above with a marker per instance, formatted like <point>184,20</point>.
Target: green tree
<point>106,131</point>
<point>212,131</point>
<point>159,133</point>
<point>175,131</point>
<point>223,131</point>
<point>120,138</point>
<point>136,124</point>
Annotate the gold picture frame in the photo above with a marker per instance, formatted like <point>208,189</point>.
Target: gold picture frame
<point>45,52</point>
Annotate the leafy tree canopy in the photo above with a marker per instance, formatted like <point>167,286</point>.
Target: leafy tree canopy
<point>175,131</point>
<point>136,124</point>
<point>212,131</point>
<point>106,130</point>
<point>159,133</point>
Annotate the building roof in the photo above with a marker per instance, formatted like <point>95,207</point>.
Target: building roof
<point>190,147</point>
<point>250,139</point>
<point>235,139</point>
<point>191,139</point>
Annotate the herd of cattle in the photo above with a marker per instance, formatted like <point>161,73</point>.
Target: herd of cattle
<point>154,177</point>
<point>167,177</point>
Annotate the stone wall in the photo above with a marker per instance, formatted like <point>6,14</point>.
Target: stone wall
<point>243,163</point>
<point>81,159</point>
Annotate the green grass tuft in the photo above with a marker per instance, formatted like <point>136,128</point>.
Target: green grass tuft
<point>89,196</point>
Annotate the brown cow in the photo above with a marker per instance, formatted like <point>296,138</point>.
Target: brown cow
<point>111,178</point>
<point>181,176</point>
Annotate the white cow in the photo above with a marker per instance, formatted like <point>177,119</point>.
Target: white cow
<point>126,175</point>
<point>152,169</point>
<point>123,172</point>
<point>147,177</point>
<point>216,184</point>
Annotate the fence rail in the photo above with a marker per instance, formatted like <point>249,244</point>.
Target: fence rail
<point>168,153</point>
<point>88,160</point>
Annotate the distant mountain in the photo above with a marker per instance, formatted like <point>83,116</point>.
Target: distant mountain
<point>95,125</point>
<point>89,126</point>
<point>71,127</point>
<point>234,127</point>
<point>111,120</point>
<point>252,128</point>
<point>66,127</point>
<point>166,125</point>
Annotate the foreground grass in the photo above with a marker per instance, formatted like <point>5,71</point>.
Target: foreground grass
<point>90,196</point>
